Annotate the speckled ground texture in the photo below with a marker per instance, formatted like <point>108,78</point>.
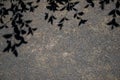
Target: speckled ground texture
<point>88,52</point>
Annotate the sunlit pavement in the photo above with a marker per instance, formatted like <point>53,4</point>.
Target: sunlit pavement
<point>87,52</point>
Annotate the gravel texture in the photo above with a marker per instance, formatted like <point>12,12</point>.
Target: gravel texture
<point>88,52</point>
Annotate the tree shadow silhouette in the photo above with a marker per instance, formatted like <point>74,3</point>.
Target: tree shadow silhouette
<point>21,27</point>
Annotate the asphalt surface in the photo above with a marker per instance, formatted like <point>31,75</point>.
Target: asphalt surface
<point>88,52</point>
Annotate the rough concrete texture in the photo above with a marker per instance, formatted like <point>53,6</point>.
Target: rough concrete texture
<point>88,52</point>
